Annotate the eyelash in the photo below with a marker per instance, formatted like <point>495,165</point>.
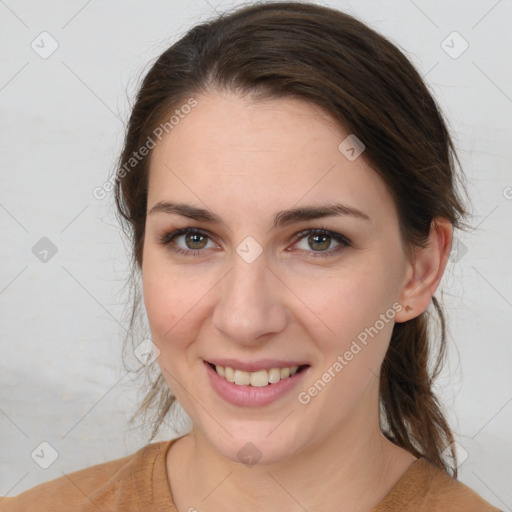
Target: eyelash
<point>167,238</point>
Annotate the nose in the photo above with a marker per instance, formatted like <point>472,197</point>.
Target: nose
<point>250,303</point>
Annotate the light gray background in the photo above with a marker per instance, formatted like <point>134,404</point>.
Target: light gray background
<point>61,126</point>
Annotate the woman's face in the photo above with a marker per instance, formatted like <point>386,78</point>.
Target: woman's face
<point>252,289</point>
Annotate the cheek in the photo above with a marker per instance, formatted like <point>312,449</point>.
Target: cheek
<point>342,300</point>
<point>353,315</point>
<point>160,303</point>
<point>168,298</point>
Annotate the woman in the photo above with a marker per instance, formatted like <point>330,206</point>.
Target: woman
<point>289,185</point>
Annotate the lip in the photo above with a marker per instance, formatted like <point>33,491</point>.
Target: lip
<point>251,396</point>
<point>254,366</point>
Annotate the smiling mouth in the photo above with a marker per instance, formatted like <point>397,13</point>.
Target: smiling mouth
<point>260,378</point>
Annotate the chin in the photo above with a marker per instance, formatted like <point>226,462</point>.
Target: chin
<point>256,447</point>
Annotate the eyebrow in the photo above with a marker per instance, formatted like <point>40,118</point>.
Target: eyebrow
<point>282,218</point>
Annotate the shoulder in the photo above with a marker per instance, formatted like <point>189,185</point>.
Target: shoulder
<point>425,487</point>
<point>112,485</point>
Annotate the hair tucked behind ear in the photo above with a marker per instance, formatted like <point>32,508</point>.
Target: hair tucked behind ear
<point>370,88</point>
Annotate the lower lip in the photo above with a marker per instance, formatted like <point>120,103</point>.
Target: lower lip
<point>252,396</point>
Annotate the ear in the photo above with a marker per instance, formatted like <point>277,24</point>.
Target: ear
<point>422,277</point>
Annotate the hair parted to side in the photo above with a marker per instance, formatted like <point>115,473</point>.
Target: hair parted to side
<point>330,59</point>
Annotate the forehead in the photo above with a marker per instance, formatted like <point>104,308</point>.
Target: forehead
<point>233,153</point>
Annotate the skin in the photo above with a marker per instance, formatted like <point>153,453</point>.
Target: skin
<point>246,160</point>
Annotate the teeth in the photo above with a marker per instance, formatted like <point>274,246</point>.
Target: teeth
<point>229,374</point>
<point>242,378</point>
<point>257,379</point>
<point>261,378</point>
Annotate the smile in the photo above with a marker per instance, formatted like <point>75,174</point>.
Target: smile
<point>260,378</point>
<point>255,388</point>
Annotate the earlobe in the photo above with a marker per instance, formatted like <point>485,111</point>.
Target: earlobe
<point>424,274</point>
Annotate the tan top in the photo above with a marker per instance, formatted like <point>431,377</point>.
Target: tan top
<point>138,483</point>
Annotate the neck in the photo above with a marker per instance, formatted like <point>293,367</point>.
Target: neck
<point>352,469</point>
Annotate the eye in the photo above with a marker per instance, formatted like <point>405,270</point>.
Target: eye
<point>194,241</point>
<point>320,239</point>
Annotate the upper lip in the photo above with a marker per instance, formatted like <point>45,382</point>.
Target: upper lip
<point>252,366</point>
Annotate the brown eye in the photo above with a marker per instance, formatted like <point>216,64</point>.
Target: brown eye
<point>195,240</point>
<point>319,240</point>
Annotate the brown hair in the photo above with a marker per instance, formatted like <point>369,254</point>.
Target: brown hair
<point>330,59</point>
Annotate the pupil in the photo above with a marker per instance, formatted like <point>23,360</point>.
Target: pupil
<point>194,237</point>
<point>324,244</point>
